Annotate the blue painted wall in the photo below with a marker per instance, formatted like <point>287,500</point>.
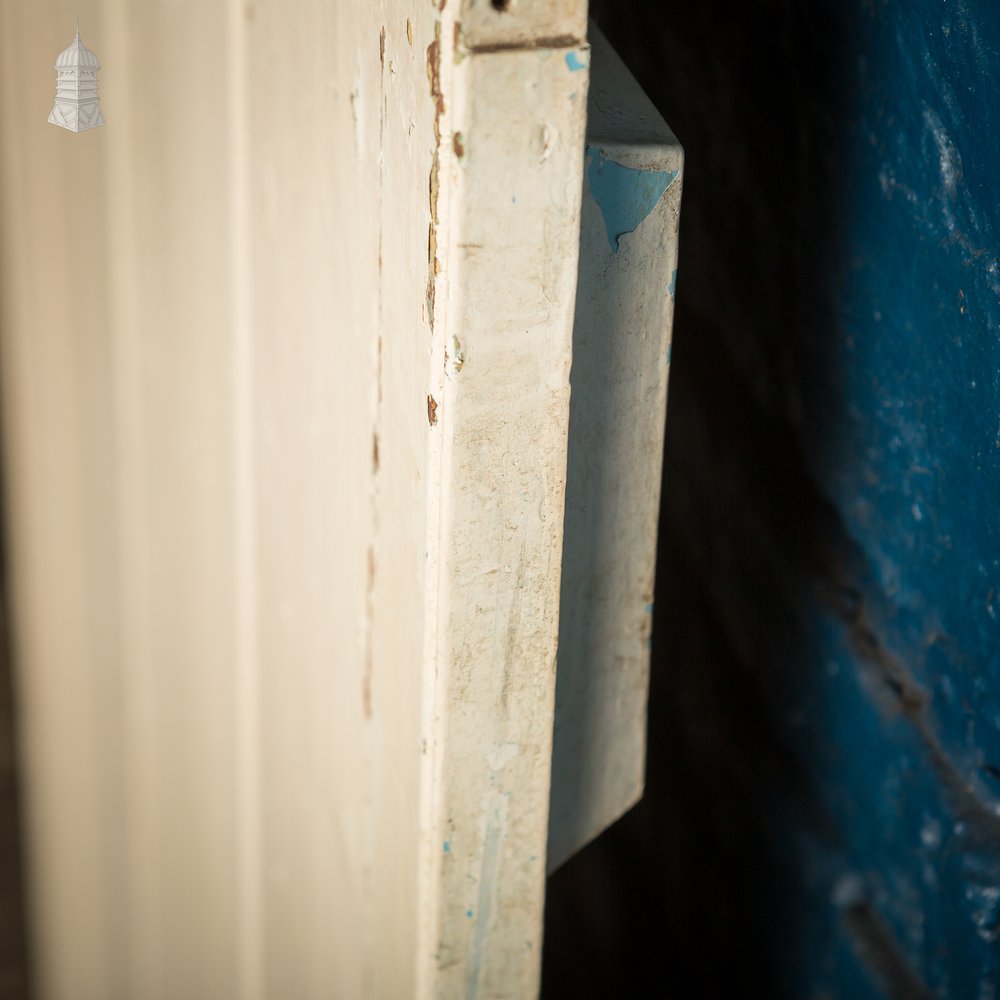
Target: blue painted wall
<point>823,813</point>
<point>910,456</point>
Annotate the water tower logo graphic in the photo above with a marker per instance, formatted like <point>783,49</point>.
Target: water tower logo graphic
<point>77,106</point>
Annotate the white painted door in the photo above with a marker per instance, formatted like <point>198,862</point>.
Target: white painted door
<point>286,350</point>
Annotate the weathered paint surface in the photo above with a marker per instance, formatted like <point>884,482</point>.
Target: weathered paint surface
<point>628,248</point>
<point>285,458</point>
<point>205,482</point>
<point>911,459</point>
<point>624,195</point>
<point>495,24</point>
<point>510,209</point>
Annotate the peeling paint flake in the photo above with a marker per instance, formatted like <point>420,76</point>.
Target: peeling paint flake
<point>625,196</point>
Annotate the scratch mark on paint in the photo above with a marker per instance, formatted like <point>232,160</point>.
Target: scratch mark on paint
<point>625,196</point>
<point>574,61</point>
<point>487,887</point>
<point>874,942</point>
<point>519,45</point>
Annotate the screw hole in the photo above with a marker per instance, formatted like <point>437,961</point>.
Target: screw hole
<point>501,5</point>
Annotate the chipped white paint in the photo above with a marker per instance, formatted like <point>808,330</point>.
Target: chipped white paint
<point>621,345</point>
<point>511,188</point>
<point>285,357</point>
<point>499,758</point>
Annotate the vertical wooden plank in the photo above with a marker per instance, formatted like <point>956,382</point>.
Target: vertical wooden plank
<point>512,168</point>
<point>621,359</point>
<point>404,487</point>
<point>312,177</point>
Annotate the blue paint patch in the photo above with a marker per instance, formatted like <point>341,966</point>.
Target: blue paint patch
<point>672,287</point>
<point>624,195</point>
<point>469,914</point>
<point>447,847</point>
<point>669,347</point>
<point>649,608</point>
<point>574,62</point>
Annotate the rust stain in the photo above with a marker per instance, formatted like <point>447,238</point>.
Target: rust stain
<point>434,78</point>
<point>553,42</point>
<point>458,144</point>
<point>434,67</point>
<point>433,191</point>
<point>432,410</point>
<point>250,12</point>
<point>381,46</point>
